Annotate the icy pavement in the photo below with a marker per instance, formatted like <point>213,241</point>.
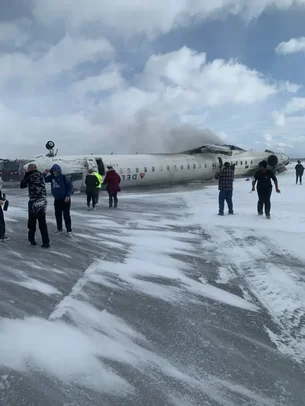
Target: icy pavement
<point>160,302</point>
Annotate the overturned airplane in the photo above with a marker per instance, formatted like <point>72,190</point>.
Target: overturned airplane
<point>200,164</point>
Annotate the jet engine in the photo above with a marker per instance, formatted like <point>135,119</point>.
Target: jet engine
<point>272,160</point>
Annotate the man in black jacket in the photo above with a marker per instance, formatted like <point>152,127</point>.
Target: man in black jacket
<point>264,188</point>
<point>34,180</point>
<point>92,183</point>
<point>299,170</point>
<point>3,237</point>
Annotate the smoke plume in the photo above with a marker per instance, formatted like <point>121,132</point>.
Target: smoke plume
<point>150,134</point>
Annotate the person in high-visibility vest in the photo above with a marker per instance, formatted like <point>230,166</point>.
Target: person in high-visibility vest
<point>100,179</point>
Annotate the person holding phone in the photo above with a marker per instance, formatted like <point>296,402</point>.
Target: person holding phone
<point>3,203</point>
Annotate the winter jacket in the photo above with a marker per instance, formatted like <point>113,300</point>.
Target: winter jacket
<point>100,179</point>
<point>112,180</point>
<point>92,183</point>
<point>226,178</point>
<point>34,180</point>
<point>299,169</point>
<point>61,185</point>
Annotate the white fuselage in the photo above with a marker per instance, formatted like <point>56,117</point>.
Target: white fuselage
<point>152,169</point>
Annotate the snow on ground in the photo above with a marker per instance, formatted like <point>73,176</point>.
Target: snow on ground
<point>160,302</point>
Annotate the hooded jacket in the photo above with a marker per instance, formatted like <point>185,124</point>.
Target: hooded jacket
<point>92,183</point>
<point>61,185</point>
<point>112,179</point>
<point>34,180</point>
<point>299,169</point>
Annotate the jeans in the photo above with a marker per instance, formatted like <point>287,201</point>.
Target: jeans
<point>113,196</point>
<point>264,199</point>
<point>62,208</point>
<point>41,217</point>
<point>225,195</point>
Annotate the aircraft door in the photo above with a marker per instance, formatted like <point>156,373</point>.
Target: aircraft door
<point>91,164</point>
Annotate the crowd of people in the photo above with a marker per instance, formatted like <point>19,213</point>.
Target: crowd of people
<point>62,190</point>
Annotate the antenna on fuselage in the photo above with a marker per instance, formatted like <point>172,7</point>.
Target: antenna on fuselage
<point>50,145</point>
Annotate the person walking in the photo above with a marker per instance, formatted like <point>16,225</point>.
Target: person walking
<point>62,190</point>
<point>299,170</point>
<point>100,179</point>
<point>92,184</point>
<point>225,187</point>
<point>37,205</point>
<point>3,237</point>
<point>112,180</point>
<point>264,188</point>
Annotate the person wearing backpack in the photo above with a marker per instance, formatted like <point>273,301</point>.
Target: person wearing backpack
<point>62,190</point>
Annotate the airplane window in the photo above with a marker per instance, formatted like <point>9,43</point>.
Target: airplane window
<point>128,170</point>
<point>121,171</point>
<point>213,166</point>
<point>241,162</point>
<point>194,166</point>
<point>251,162</point>
<point>145,169</point>
<point>175,167</point>
<point>246,162</point>
<point>236,163</point>
<point>168,167</point>
<point>188,166</point>
<point>161,168</point>
<point>153,169</point>
<point>182,167</point>
<point>205,165</point>
<point>137,170</point>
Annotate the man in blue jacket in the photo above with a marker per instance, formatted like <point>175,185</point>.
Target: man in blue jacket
<point>62,189</point>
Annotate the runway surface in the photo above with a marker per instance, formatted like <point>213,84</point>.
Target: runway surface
<point>159,302</point>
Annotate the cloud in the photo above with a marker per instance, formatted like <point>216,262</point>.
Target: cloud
<point>164,108</point>
<point>109,79</point>
<point>14,33</point>
<point>209,84</point>
<point>295,105</point>
<point>152,17</point>
<point>292,46</point>
<point>65,55</point>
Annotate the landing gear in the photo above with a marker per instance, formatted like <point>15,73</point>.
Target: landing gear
<point>50,145</point>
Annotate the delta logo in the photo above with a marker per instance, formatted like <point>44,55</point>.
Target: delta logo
<point>142,175</point>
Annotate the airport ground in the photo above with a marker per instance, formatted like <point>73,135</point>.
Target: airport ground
<point>159,302</point>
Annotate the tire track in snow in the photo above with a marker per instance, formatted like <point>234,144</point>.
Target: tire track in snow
<point>269,277</point>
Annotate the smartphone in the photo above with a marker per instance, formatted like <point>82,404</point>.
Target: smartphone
<point>6,204</point>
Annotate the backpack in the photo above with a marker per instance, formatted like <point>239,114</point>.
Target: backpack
<point>66,183</point>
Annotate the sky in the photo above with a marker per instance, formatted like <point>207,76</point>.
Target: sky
<point>151,76</point>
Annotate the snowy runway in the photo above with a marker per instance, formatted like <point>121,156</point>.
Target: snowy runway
<point>161,302</point>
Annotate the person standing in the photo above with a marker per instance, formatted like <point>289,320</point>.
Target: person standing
<point>62,190</point>
<point>3,237</point>
<point>264,188</point>
<point>299,170</point>
<point>37,205</point>
<point>112,180</point>
<point>92,184</point>
<point>225,187</point>
<point>100,179</point>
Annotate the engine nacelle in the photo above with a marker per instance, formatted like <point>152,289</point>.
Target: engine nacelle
<point>272,161</point>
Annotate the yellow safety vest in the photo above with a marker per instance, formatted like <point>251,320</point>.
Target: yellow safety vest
<point>100,178</point>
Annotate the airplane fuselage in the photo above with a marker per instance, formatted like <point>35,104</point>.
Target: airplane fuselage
<point>156,169</point>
